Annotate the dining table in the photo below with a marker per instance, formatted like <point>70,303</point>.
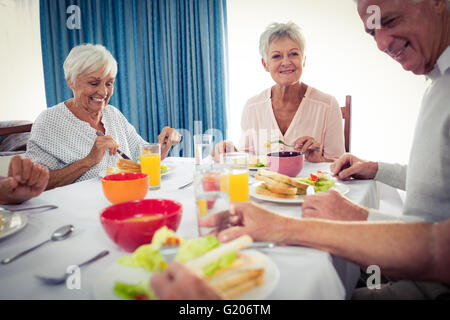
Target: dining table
<point>304,273</point>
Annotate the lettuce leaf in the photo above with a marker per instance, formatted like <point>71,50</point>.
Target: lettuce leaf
<point>196,247</point>
<point>139,291</point>
<point>223,262</point>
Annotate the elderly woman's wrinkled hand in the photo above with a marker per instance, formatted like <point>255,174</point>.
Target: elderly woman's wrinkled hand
<point>101,145</point>
<point>222,148</point>
<point>25,180</point>
<point>332,205</point>
<point>348,166</point>
<point>168,138</point>
<point>178,282</point>
<point>248,218</point>
<point>312,149</point>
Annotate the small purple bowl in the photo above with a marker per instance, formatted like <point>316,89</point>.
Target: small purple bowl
<point>289,163</point>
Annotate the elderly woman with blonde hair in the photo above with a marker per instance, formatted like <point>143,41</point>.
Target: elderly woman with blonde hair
<point>78,139</point>
<point>290,111</point>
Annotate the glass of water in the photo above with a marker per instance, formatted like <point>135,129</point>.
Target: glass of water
<point>210,200</point>
<point>202,149</point>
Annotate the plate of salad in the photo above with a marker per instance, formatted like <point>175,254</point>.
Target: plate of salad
<point>129,277</point>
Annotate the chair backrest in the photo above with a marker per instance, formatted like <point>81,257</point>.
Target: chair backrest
<point>346,115</point>
<point>14,136</point>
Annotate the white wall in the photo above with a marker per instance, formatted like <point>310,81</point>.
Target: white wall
<point>341,59</point>
<point>22,92</point>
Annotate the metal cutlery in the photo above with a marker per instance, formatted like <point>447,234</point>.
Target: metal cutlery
<point>186,185</point>
<point>62,279</point>
<point>47,207</point>
<point>288,145</point>
<point>123,155</point>
<point>57,235</point>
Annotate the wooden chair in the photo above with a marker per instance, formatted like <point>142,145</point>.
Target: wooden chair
<point>16,129</point>
<point>346,115</point>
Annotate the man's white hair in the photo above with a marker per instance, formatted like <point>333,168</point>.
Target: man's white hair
<point>88,58</point>
<point>280,31</point>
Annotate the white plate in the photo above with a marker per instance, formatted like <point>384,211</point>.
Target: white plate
<point>169,170</point>
<point>339,187</point>
<point>11,223</point>
<point>103,288</point>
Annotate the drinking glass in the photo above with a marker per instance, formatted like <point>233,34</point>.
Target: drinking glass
<point>209,198</point>
<point>150,155</point>
<point>202,148</point>
<point>236,166</point>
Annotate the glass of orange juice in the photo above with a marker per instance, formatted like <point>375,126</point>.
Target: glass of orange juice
<point>150,155</point>
<point>236,166</point>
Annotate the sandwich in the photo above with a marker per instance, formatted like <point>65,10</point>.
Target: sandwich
<point>279,185</point>
<point>229,271</point>
<point>244,273</point>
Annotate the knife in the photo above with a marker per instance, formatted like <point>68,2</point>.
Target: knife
<point>101,134</point>
<point>169,253</point>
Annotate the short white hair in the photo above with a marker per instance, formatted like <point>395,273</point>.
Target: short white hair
<point>88,58</point>
<point>281,31</point>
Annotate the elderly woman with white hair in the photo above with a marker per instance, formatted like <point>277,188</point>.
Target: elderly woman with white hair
<point>65,137</point>
<point>291,111</point>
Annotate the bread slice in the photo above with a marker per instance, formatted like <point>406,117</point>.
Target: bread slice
<point>277,187</point>
<point>301,186</point>
<point>128,165</point>
<point>266,192</point>
<point>245,274</point>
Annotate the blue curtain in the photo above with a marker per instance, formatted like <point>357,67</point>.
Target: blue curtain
<point>171,57</point>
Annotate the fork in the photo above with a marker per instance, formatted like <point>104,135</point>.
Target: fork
<point>288,145</point>
<point>62,279</point>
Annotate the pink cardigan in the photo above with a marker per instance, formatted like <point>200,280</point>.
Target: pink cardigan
<point>318,116</point>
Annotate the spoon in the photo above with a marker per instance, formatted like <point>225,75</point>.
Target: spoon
<point>59,234</point>
<point>62,279</point>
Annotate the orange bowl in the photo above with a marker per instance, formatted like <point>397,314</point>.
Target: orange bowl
<point>126,186</point>
<point>132,224</point>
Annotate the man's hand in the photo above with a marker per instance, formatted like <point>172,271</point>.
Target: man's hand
<point>180,283</point>
<point>222,148</point>
<point>25,180</point>
<point>331,205</point>
<point>168,138</point>
<point>248,218</point>
<point>348,166</point>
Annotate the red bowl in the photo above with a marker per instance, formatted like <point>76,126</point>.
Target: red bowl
<point>132,224</point>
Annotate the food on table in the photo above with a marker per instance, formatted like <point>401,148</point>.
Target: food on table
<point>320,180</point>
<point>229,271</point>
<point>124,165</point>
<point>128,165</point>
<point>279,185</point>
<point>257,162</point>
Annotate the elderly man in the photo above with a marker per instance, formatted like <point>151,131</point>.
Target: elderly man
<point>417,35</point>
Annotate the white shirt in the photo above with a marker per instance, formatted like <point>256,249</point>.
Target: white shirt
<point>58,139</point>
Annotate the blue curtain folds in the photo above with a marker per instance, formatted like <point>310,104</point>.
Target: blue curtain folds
<point>171,58</point>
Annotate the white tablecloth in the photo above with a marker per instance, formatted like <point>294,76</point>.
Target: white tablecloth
<point>305,273</point>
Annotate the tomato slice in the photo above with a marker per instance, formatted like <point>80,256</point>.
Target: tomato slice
<point>313,177</point>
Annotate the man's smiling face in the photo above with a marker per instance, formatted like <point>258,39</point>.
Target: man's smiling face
<point>410,31</point>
